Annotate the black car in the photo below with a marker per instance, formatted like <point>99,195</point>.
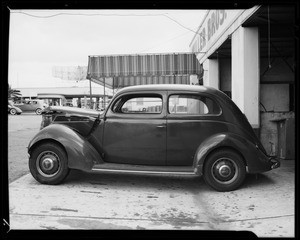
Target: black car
<point>178,129</point>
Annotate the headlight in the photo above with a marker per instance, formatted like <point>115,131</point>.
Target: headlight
<point>46,120</point>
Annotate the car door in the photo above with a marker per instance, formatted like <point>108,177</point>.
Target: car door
<point>25,106</point>
<point>191,118</point>
<point>135,129</point>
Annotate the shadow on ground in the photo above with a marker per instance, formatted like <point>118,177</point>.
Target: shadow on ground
<point>140,180</point>
<point>136,180</point>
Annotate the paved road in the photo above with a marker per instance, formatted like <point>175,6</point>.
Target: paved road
<point>21,129</point>
<point>264,205</point>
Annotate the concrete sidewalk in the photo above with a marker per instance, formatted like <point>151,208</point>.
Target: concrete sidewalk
<point>264,204</point>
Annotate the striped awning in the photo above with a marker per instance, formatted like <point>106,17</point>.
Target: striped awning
<point>127,70</point>
<point>120,82</point>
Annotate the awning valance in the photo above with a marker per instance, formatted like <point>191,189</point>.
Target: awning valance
<point>143,68</point>
<point>120,82</point>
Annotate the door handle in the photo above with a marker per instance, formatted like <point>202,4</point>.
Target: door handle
<point>160,126</point>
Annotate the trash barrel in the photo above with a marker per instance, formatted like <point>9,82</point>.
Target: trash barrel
<point>286,138</point>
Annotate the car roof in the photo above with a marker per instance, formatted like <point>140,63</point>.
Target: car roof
<point>168,87</point>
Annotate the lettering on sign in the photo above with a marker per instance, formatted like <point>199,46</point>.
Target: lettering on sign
<point>210,27</point>
<point>216,27</point>
<point>217,19</point>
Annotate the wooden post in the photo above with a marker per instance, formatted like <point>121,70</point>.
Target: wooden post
<point>104,92</point>
<point>91,94</point>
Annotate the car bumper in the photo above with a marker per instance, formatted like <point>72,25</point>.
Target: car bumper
<point>261,162</point>
<point>275,163</point>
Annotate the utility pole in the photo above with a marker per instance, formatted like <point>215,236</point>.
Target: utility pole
<point>91,94</point>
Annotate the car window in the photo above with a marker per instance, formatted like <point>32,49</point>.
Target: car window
<point>139,104</point>
<point>192,105</point>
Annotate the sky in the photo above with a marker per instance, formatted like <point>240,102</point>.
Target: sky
<point>42,39</point>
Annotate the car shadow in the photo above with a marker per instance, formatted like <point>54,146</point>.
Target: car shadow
<point>137,180</point>
<point>155,182</point>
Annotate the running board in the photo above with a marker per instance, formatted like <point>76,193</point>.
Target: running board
<point>128,168</point>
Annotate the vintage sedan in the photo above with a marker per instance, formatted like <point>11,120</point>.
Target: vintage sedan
<point>162,129</point>
<point>31,106</point>
<point>13,110</point>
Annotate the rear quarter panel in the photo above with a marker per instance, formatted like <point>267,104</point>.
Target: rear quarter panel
<point>253,158</point>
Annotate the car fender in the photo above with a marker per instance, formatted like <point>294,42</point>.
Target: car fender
<point>254,161</point>
<point>81,154</point>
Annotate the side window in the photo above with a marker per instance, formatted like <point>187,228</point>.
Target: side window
<point>192,105</point>
<point>138,104</point>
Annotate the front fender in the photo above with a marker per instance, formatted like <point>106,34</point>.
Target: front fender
<point>254,159</point>
<point>81,154</point>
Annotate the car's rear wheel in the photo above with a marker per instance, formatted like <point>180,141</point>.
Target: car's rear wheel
<point>224,170</point>
<point>13,111</point>
<point>38,111</point>
<point>48,163</point>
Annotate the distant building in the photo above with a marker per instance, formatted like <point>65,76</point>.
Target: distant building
<point>73,95</point>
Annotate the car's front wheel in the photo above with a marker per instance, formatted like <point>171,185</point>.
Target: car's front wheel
<point>38,111</point>
<point>48,163</point>
<point>13,111</point>
<point>224,170</point>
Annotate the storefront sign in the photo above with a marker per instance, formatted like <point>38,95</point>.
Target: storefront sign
<point>215,22</point>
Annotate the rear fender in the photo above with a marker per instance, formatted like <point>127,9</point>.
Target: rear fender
<point>81,154</point>
<point>232,141</point>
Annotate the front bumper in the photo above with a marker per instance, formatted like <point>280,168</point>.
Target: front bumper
<point>275,163</point>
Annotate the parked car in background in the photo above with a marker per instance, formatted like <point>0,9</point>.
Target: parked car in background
<point>13,110</point>
<point>31,106</point>
<point>165,129</point>
<point>68,104</point>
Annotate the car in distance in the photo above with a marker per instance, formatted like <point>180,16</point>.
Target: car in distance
<point>68,104</point>
<point>31,106</point>
<point>164,129</point>
<point>13,110</point>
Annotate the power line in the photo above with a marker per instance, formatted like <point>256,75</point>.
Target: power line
<point>106,15</point>
<point>165,42</point>
<point>88,14</point>
<point>179,23</point>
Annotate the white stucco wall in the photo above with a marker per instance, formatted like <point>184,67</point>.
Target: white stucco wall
<point>245,72</point>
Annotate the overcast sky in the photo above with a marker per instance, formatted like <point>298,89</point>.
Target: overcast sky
<point>41,39</point>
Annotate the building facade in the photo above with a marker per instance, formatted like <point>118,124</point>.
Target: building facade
<point>250,55</point>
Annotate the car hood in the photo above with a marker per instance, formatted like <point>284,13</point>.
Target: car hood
<point>71,110</point>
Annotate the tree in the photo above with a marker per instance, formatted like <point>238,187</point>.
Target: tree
<point>13,93</point>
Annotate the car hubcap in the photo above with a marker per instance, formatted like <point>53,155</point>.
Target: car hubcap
<point>224,171</point>
<point>48,164</point>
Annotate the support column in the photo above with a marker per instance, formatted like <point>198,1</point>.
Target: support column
<point>211,73</point>
<point>245,72</point>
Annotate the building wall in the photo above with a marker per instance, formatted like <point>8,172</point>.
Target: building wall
<point>225,74</point>
<point>280,71</point>
<point>264,92</point>
<point>275,99</point>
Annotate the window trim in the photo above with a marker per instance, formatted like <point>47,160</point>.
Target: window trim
<point>193,115</point>
<point>121,100</point>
